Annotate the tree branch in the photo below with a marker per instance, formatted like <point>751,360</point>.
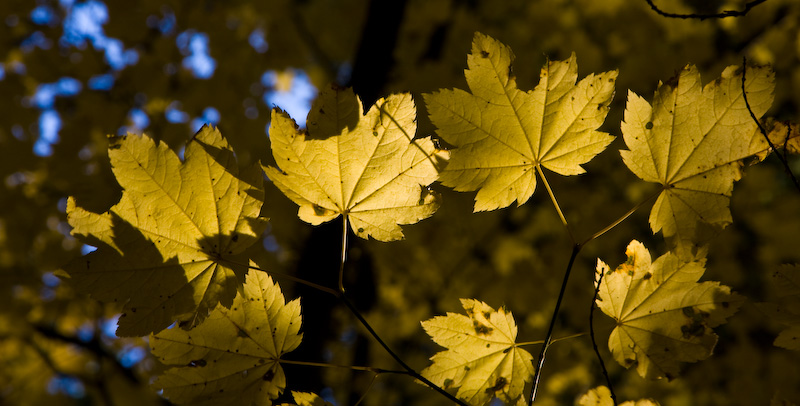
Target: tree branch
<point>594,341</point>
<point>723,14</point>
<point>547,339</point>
<point>763,131</point>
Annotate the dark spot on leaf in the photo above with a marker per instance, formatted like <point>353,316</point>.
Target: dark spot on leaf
<point>506,350</point>
<point>360,230</point>
<point>693,330</point>
<point>629,362</point>
<point>319,210</point>
<point>499,384</point>
<point>466,368</point>
<point>235,237</point>
<point>649,125</point>
<point>197,363</point>
<point>688,311</point>
<point>447,383</point>
<point>481,328</point>
<point>484,54</point>
<point>647,276</point>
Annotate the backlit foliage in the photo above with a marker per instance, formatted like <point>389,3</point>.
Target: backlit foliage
<point>179,301</point>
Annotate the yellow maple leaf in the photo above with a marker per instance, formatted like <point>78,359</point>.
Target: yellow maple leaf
<point>502,133</point>
<point>163,249</point>
<point>366,168</point>
<point>664,316</point>
<point>233,357</point>
<point>307,399</point>
<point>692,141</point>
<point>601,396</point>
<point>482,359</point>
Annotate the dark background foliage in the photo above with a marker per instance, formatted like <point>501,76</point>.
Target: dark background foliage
<point>73,71</point>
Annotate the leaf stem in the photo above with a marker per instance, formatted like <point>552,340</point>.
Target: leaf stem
<point>594,341</point>
<point>555,340</point>
<point>622,218</point>
<point>344,254</point>
<point>555,202</point>
<point>290,277</point>
<point>547,339</point>
<point>786,167</point>
<point>353,367</point>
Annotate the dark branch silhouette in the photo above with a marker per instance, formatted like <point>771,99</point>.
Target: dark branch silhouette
<point>722,14</point>
<point>594,341</point>
<point>764,132</point>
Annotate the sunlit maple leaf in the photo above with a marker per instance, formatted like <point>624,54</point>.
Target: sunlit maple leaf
<point>163,250</point>
<point>664,316</point>
<point>601,396</point>
<point>786,310</point>
<point>366,168</point>
<point>307,399</point>
<point>482,359</point>
<point>503,134</point>
<point>692,141</point>
<point>233,357</point>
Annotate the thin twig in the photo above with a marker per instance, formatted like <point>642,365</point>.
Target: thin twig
<point>372,331</point>
<point>723,14</point>
<point>761,128</point>
<point>622,218</point>
<point>371,384</point>
<point>555,203</point>
<point>547,339</point>
<point>340,295</point>
<point>394,355</point>
<point>594,341</point>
